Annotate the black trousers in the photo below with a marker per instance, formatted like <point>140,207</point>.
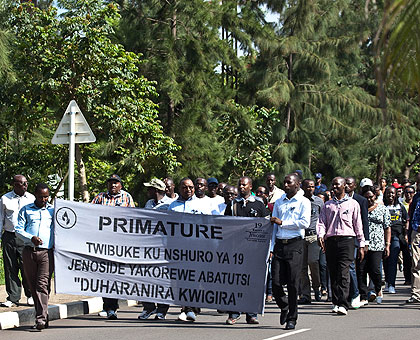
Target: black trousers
<point>286,267</point>
<point>110,304</point>
<point>151,306</point>
<point>13,263</point>
<point>371,265</point>
<point>406,260</point>
<point>339,251</point>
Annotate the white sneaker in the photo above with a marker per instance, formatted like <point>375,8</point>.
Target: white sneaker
<point>8,304</point>
<point>334,309</point>
<point>191,316</point>
<point>355,303</point>
<point>391,289</point>
<point>30,301</point>
<point>103,313</point>
<point>341,311</point>
<point>182,316</point>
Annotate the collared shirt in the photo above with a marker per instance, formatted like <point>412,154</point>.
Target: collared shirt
<point>162,204</point>
<point>341,218</point>
<point>122,199</point>
<point>274,195</point>
<point>252,206</point>
<point>320,188</point>
<point>316,206</point>
<point>35,221</point>
<point>193,205</point>
<point>10,204</point>
<point>295,215</point>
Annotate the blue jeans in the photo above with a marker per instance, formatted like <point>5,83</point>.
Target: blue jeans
<point>236,315</point>
<point>354,287</point>
<point>390,263</point>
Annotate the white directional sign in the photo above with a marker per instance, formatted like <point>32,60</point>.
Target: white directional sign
<point>73,129</point>
<point>82,130</point>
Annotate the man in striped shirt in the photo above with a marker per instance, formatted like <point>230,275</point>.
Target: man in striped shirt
<point>115,197</point>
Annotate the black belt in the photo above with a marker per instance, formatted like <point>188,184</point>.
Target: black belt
<point>289,240</point>
<point>310,232</point>
<point>340,237</point>
<point>10,232</point>
<point>35,248</point>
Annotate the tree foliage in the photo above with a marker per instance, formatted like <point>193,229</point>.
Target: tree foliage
<point>73,57</point>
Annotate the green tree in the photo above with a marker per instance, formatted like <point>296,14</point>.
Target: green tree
<point>73,57</point>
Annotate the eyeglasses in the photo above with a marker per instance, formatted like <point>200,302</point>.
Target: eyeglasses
<point>409,192</point>
<point>21,183</point>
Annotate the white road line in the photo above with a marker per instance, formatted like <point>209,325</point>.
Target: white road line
<point>287,334</point>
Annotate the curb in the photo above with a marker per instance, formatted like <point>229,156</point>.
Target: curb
<point>26,317</point>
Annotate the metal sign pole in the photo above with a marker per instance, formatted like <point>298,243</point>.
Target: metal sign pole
<point>72,144</point>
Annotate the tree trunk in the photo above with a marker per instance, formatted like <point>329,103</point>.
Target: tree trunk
<point>379,169</point>
<point>57,189</point>
<point>171,104</point>
<point>289,107</point>
<point>82,175</point>
<point>410,166</point>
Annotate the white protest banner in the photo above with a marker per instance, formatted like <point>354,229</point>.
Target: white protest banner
<point>158,256</point>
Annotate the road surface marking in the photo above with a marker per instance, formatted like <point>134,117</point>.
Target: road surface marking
<point>287,334</point>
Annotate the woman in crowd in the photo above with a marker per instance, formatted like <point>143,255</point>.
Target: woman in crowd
<point>398,222</point>
<point>379,244</point>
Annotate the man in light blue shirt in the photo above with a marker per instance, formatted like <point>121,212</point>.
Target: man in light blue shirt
<point>36,229</point>
<point>291,216</point>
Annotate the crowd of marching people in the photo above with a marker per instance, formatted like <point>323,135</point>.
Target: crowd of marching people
<point>342,244</point>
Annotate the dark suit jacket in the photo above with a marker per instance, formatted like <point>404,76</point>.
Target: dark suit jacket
<point>364,212</point>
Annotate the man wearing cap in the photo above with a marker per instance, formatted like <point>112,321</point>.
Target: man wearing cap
<point>115,197</point>
<point>274,193</point>
<point>319,186</point>
<point>156,192</point>
<point>158,201</point>
<point>10,204</point>
<point>212,184</point>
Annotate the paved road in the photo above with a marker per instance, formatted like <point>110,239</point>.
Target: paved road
<point>391,320</point>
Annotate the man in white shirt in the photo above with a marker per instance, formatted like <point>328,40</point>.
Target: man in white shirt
<point>187,202</point>
<point>10,204</point>
<point>291,216</point>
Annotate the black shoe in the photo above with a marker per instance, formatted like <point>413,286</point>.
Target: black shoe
<point>304,301</point>
<point>283,317</point>
<point>412,300</point>
<point>39,326</point>
<point>317,296</point>
<point>291,325</point>
<point>407,283</point>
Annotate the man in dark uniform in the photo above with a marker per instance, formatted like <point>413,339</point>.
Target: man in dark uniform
<point>245,205</point>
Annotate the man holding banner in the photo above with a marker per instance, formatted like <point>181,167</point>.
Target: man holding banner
<point>115,197</point>
<point>245,205</point>
<point>187,202</point>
